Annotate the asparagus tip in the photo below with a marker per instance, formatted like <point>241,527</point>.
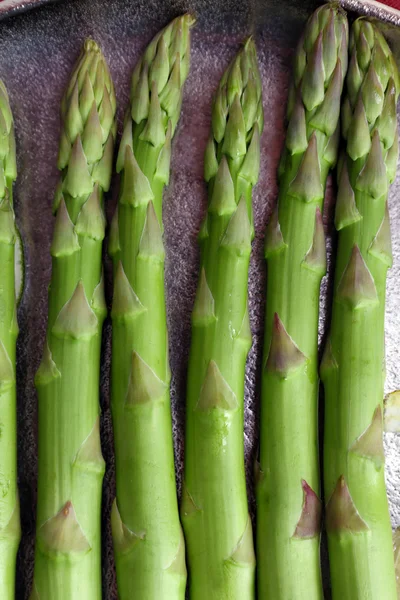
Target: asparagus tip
<point>91,45</point>
<point>189,19</point>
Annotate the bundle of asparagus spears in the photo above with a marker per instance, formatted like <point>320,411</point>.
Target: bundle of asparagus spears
<point>341,116</point>
<point>289,509</point>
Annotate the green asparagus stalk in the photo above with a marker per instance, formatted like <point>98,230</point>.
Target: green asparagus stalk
<point>289,509</point>
<point>10,531</point>
<point>396,550</point>
<point>357,517</point>
<point>214,509</point>
<point>71,466</point>
<point>148,542</point>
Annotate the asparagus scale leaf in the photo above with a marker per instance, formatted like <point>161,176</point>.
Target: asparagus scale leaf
<point>357,516</point>
<point>148,541</point>
<point>288,505</point>
<point>214,509</point>
<point>71,466</point>
<point>10,531</point>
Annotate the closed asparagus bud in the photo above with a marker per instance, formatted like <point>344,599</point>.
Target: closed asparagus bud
<point>358,524</point>
<point>148,544</point>
<point>288,518</point>
<point>214,508</point>
<point>71,467</point>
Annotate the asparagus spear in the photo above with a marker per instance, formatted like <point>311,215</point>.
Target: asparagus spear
<point>10,531</point>
<point>288,517</point>
<point>357,517</point>
<point>71,466</point>
<point>214,508</point>
<point>396,550</point>
<point>148,542</point>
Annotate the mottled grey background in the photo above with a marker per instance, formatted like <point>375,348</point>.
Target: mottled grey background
<point>37,51</point>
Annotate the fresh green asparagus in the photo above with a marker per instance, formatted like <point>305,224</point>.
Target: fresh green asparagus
<point>10,531</point>
<point>396,550</point>
<point>71,466</point>
<point>357,517</point>
<point>214,509</point>
<point>288,505</point>
<point>148,542</point>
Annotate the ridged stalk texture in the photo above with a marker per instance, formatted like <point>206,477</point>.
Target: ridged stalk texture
<point>357,516</point>
<point>148,542</point>
<point>214,509</point>
<point>10,531</point>
<point>288,504</point>
<point>71,466</point>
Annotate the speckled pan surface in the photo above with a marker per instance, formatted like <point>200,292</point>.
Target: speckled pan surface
<point>37,51</point>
